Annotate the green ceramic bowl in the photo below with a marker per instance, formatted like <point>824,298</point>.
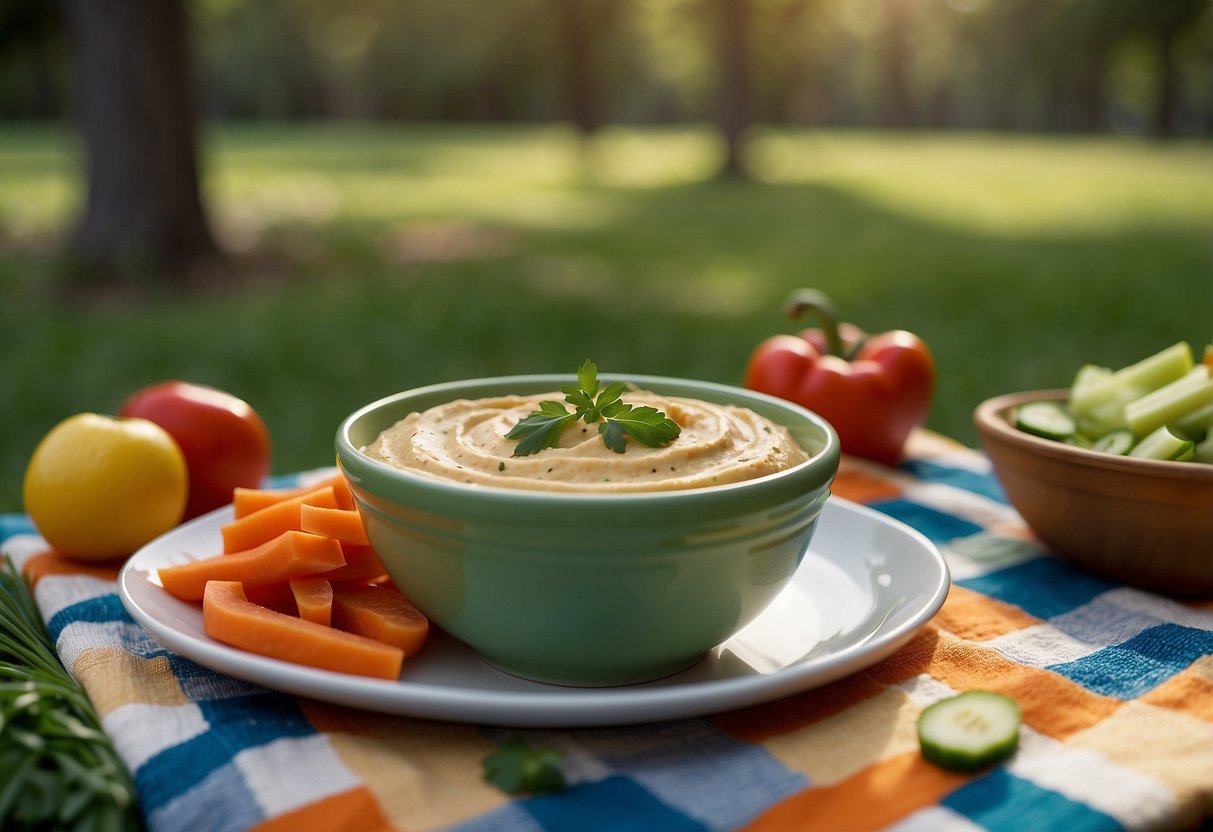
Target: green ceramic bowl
<point>589,589</point>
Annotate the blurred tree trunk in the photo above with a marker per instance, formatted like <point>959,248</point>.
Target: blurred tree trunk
<point>135,101</point>
<point>577,46</point>
<point>1091,94</point>
<point>1163,121</point>
<point>1171,21</point>
<point>734,104</point>
<point>896,108</point>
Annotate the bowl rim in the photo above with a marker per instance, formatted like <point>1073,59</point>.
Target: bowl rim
<point>826,458</point>
<point>991,418</point>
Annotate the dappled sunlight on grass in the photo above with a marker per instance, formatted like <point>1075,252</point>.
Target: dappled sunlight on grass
<point>722,290</point>
<point>1005,185</point>
<point>624,157</point>
<point>388,258</point>
<point>38,191</point>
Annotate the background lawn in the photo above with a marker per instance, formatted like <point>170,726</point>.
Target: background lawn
<point>375,259</point>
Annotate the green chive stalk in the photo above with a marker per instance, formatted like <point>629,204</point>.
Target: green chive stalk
<point>58,769</point>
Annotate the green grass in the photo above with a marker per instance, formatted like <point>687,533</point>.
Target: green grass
<point>381,258</point>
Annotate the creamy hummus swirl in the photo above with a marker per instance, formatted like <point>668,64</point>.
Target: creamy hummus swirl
<point>464,441</point>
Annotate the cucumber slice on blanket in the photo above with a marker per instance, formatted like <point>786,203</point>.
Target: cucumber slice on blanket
<point>969,731</point>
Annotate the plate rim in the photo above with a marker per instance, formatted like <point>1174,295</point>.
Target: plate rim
<point>559,707</point>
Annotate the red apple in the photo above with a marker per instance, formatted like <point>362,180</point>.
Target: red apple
<point>224,441</point>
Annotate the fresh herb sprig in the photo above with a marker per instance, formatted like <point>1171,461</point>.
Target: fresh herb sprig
<point>617,419</point>
<point>517,767</point>
<point>58,769</point>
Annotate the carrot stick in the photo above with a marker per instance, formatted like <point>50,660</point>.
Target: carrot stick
<point>271,521</point>
<point>228,616</point>
<point>381,613</point>
<point>361,564</point>
<point>245,501</point>
<point>343,524</point>
<point>313,598</point>
<point>52,562</point>
<point>341,487</point>
<point>291,553</point>
<point>276,596</point>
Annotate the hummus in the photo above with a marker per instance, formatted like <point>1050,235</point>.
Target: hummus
<point>464,441</point>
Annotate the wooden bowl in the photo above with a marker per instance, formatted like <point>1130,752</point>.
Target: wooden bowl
<point>1137,521</point>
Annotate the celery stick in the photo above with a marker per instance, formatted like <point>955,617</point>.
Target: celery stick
<point>1134,381</point>
<point>1087,375</point>
<point>1102,420</point>
<point>1163,444</point>
<point>1170,403</point>
<point>1203,451</point>
<point>1197,423</point>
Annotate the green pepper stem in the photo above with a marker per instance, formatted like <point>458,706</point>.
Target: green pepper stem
<point>817,302</point>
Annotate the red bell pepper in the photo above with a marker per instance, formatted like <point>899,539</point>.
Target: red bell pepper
<point>874,389</point>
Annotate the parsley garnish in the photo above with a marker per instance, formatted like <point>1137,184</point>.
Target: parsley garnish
<point>542,428</point>
<point>517,766</point>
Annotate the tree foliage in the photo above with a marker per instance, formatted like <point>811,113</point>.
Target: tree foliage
<point>1003,64</point>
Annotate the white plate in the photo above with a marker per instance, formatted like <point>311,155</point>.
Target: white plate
<point>866,585</point>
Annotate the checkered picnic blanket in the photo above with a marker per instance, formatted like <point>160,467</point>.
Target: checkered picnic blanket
<point>1115,685</point>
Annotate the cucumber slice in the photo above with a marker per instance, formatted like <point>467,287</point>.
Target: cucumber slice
<point>1164,444</point>
<point>1118,442</point>
<point>1078,440</point>
<point>969,731</point>
<point>1048,419</point>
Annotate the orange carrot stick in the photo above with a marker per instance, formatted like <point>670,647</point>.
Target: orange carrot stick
<point>271,521</point>
<point>289,554</point>
<point>361,564</point>
<point>343,524</point>
<point>313,598</point>
<point>341,487</point>
<point>381,613</point>
<point>228,616</point>
<point>276,596</point>
<point>52,562</point>
<point>245,501</point>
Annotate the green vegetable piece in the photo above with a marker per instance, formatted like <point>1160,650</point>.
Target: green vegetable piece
<point>1047,419</point>
<point>1197,423</point>
<point>969,731</point>
<point>542,428</point>
<point>1203,451</point>
<point>1118,442</point>
<point>1132,382</point>
<point>1087,375</point>
<point>517,767</point>
<point>1164,444</point>
<point>1170,402</point>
